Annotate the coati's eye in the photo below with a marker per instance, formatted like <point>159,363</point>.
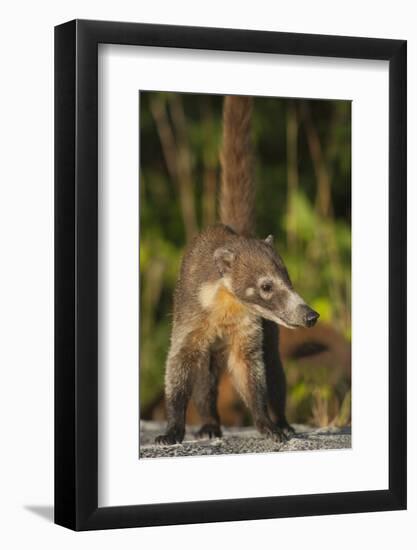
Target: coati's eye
<point>266,287</point>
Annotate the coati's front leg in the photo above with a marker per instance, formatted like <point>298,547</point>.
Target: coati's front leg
<point>248,372</point>
<point>205,395</point>
<point>182,364</point>
<point>275,376</point>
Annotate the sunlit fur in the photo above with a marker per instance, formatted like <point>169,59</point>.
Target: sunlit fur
<point>231,291</point>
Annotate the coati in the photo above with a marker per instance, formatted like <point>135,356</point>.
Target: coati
<point>231,293</point>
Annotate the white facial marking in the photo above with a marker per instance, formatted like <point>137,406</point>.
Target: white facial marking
<point>266,314</point>
<point>272,285</point>
<point>294,300</point>
<point>250,292</point>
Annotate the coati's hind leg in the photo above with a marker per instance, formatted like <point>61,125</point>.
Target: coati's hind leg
<point>249,375</point>
<point>182,364</point>
<point>275,376</point>
<point>205,396</point>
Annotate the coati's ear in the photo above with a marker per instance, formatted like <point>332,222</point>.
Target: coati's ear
<point>223,258</point>
<point>270,240</point>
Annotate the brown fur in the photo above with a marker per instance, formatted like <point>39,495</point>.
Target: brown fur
<point>230,289</point>
<point>237,196</point>
<point>318,347</point>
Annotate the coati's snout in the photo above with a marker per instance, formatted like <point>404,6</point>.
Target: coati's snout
<point>257,276</point>
<point>282,305</point>
<point>310,316</point>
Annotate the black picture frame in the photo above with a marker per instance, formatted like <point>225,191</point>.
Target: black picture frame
<point>76,272</point>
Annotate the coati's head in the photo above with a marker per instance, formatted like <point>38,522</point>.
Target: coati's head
<point>256,275</point>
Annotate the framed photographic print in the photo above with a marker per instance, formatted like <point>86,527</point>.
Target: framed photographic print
<point>230,254</point>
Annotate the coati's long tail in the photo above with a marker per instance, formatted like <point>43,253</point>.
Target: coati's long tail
<point>237,193</point>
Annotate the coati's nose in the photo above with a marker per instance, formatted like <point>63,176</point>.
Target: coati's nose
<point>310,316</point>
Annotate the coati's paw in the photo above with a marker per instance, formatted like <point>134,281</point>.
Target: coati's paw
<point>210,431</point>
<point>271,431</point>
<point>172,437</point>
<point>286,428</point>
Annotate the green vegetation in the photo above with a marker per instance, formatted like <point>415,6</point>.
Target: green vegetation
<point>302,150</point>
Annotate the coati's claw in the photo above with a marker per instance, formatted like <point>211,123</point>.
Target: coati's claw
<point>210,431</point>
<point>288,431</point>
<point>273,432</point>
<point>286,428</point>
<point>278,435</point>
<point>170,438</point>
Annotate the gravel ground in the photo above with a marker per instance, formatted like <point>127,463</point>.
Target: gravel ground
<point>241,440</point>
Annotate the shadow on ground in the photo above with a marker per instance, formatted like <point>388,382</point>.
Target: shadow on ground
<point>45,512</point>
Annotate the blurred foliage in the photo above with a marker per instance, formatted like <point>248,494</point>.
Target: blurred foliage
<point>302,152</point>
